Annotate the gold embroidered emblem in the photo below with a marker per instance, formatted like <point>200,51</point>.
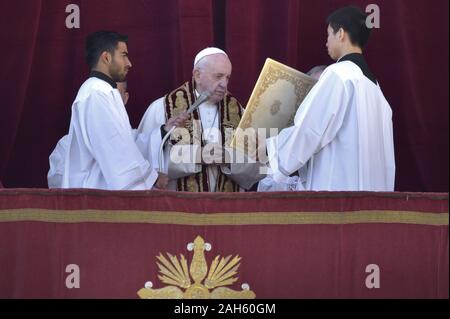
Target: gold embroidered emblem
<point>275,108</point>
<point>192,185</point>
<point>180,103</point>
<point>174,272</point>
<point>233,109</point>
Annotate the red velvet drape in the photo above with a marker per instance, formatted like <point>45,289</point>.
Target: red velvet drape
<point>293,245</point>
<point>43,67</point>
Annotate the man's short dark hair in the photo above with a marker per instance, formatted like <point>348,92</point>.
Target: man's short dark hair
<point>99,42</point>
<point>353,20</point>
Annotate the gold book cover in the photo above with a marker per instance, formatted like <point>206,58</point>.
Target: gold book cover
<point>273,103</point>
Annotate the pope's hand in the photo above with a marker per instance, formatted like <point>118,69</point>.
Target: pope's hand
<point>178,121</point>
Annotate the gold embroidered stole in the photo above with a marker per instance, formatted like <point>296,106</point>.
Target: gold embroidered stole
<point>179,101</point>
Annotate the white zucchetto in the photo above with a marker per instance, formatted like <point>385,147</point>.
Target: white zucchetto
<point>208,51</point>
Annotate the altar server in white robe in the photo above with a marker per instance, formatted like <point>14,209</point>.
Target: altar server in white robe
<point>213,122</point>
<point>101,150</point>
<point>57,157</point>
<point>342,139</point>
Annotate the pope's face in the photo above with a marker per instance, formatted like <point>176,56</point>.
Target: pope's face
<point>213,76</point>
<point>120,64</point>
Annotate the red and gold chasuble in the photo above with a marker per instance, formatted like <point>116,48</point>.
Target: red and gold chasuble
<point>179,101</point>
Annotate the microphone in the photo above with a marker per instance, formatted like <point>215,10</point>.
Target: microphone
<point>201,99</point>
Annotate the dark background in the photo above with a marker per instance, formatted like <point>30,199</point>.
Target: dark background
<point>42,67</point>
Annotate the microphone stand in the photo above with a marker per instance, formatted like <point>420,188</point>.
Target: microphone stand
<point>201,99</point>
<point>161,149</point>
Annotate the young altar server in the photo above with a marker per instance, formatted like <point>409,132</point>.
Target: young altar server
<point>342,139</point>
<point>101,150</point>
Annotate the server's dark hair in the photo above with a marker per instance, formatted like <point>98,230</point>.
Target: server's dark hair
<point>353,20</point>
<point>99,42</point>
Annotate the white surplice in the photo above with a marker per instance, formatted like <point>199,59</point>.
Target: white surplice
<point>56,161</point>
<point>342,138</point>
<point>101,150</point>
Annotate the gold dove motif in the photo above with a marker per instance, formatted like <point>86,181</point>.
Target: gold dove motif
<point>174,272</point>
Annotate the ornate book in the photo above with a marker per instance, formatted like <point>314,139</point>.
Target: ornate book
<point>272,106</point>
